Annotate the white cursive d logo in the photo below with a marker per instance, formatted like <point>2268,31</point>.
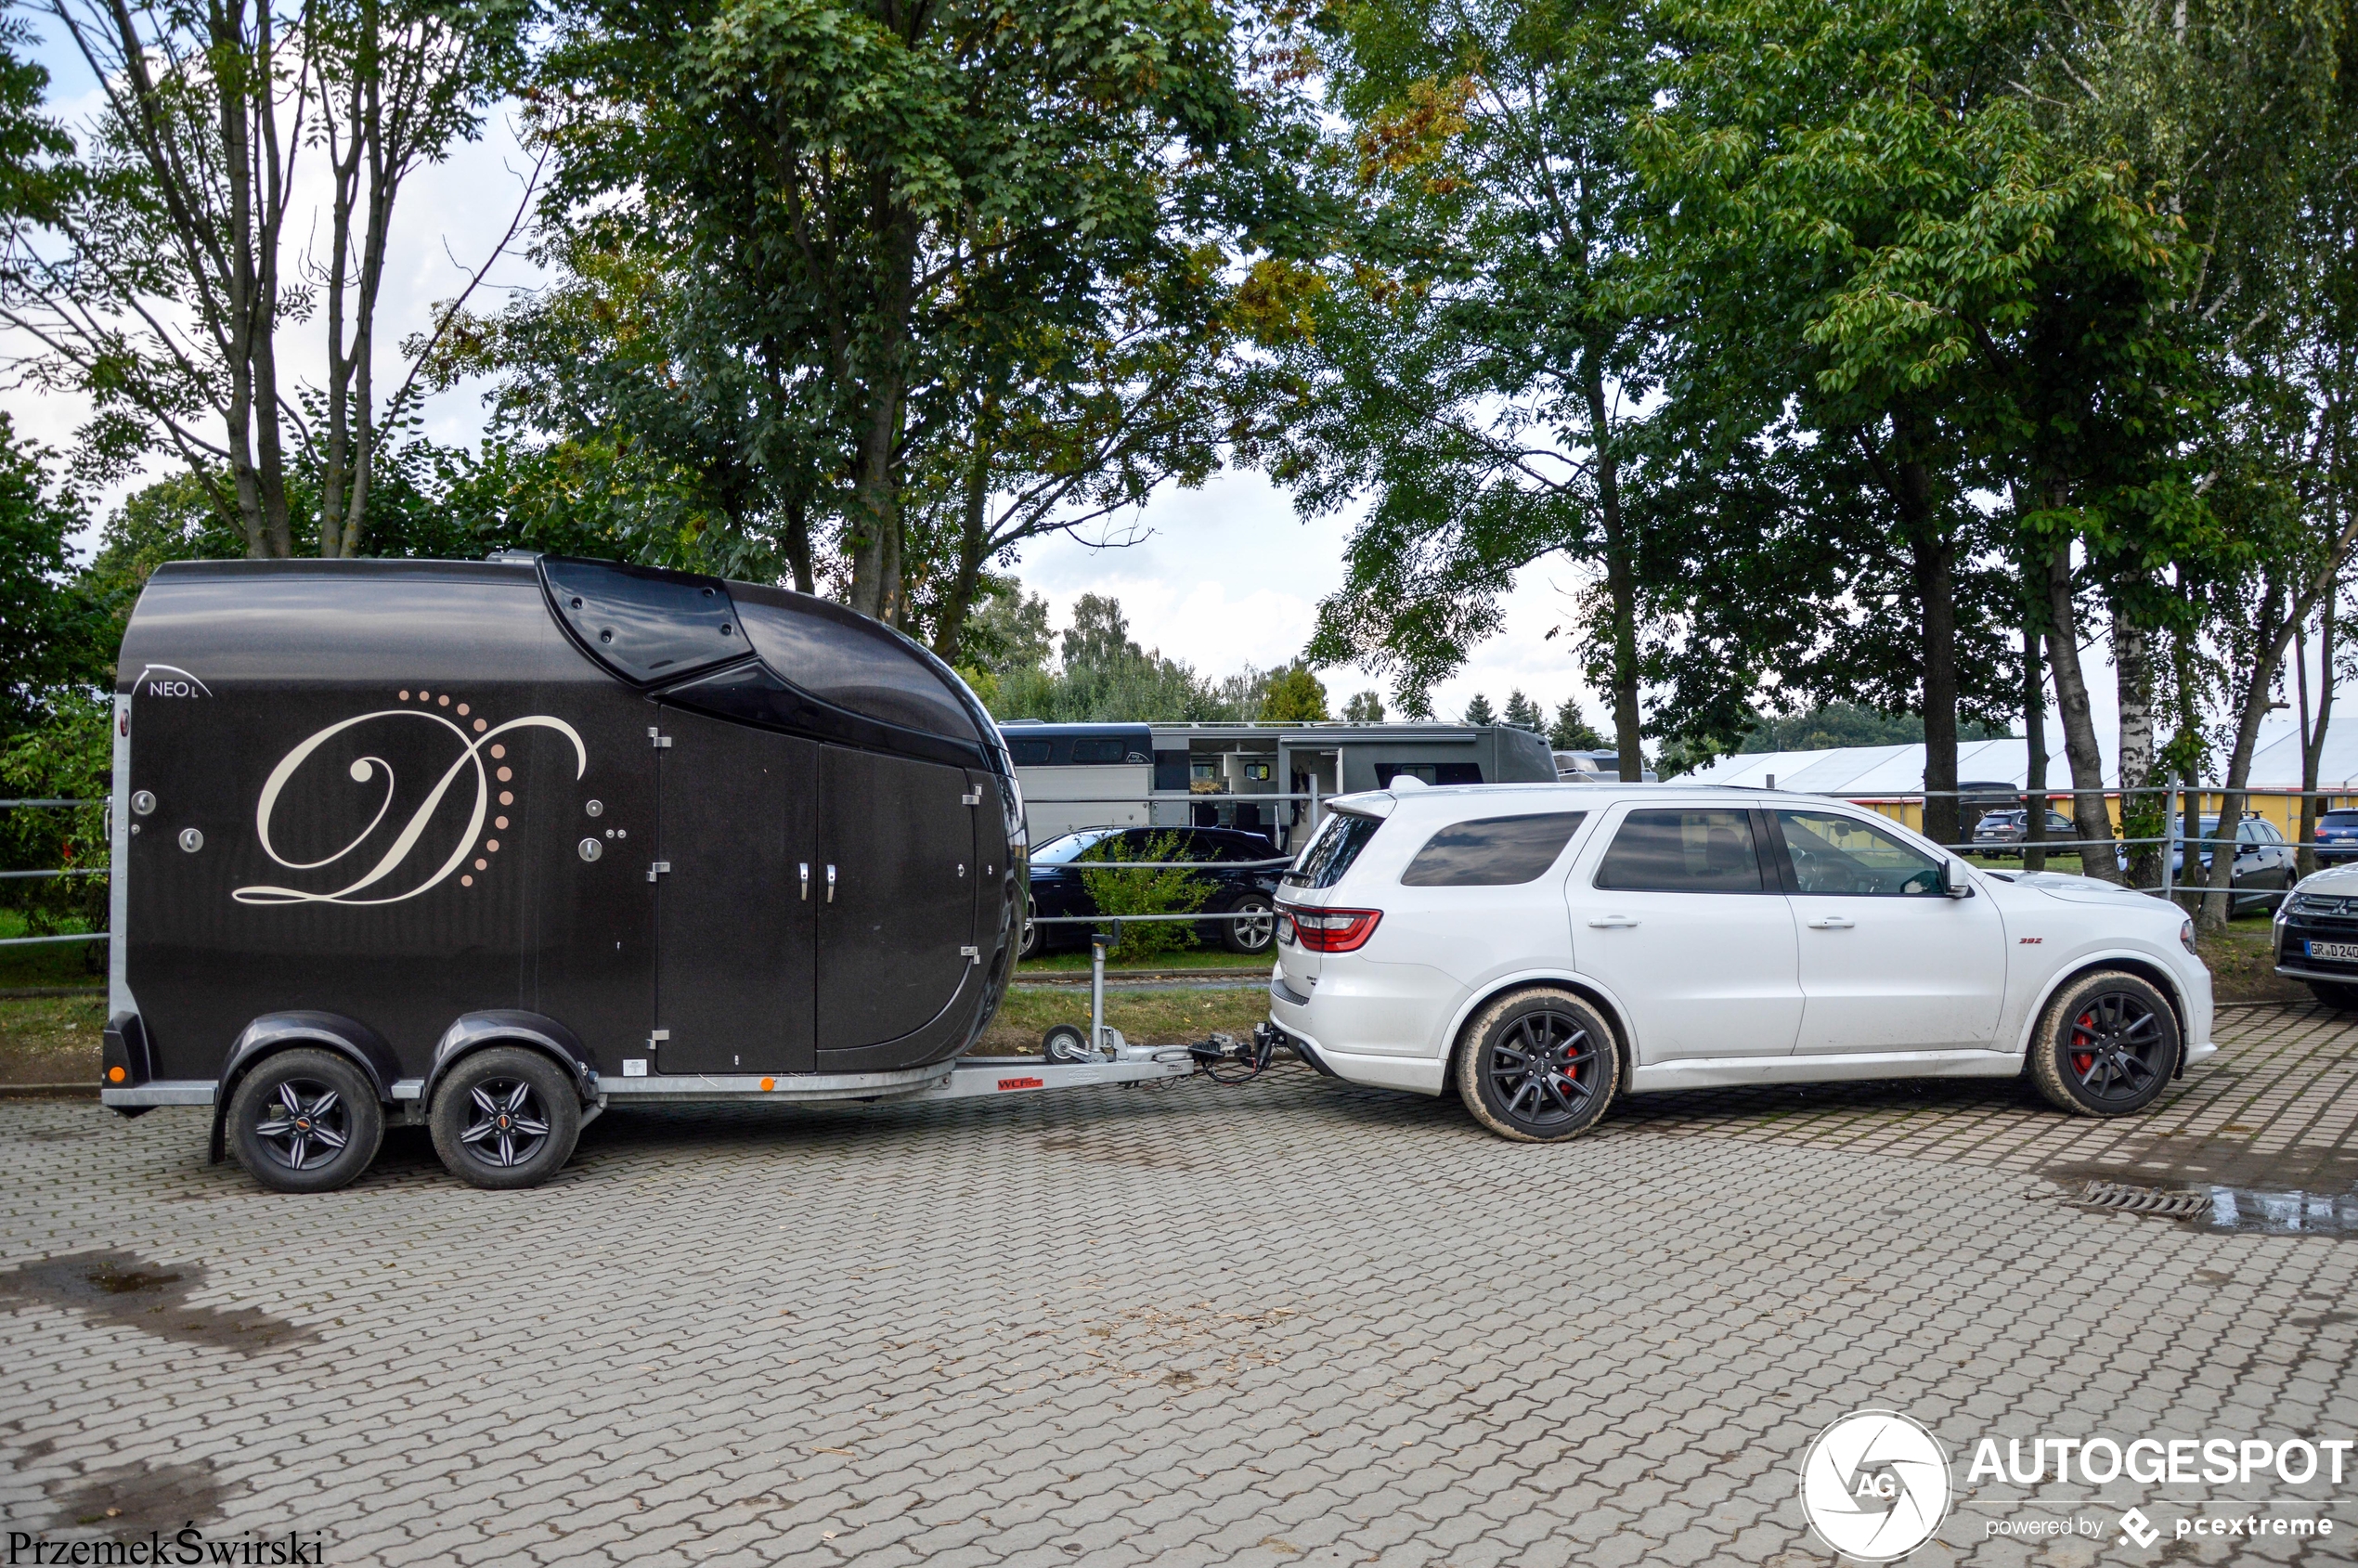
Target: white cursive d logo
<point>365,768</point>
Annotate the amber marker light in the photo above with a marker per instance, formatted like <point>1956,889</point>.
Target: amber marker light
<point>768,1084</point>
<point>116,1075</point>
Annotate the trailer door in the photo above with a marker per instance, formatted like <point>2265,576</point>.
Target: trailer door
<point>734,923</point>
<point>897,922</point>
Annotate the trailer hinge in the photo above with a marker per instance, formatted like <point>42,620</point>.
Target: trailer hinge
<point>971,955</point>
<point>656,737</point>
<point>661,868</point>
<point>972,798</point>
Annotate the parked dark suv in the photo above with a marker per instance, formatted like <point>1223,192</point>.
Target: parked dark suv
<point>1239,887</point>
<point>2336,837</point>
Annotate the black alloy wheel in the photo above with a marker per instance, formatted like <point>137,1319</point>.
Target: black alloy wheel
<point>2106,1045</point>
<point>304,1121</point>
<point>1538,1067</point>
<point>506,1116</point>
<point>1252,926</point>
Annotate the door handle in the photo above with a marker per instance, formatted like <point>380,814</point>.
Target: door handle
<point>831,884</point>
<point>806,881</point>
<point>1833,923</point>
<point>1614,923</point>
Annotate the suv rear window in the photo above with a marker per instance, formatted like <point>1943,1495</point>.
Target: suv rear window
<point>1492,851</point>
<point>1330,854</point>
<point>1698,851</point>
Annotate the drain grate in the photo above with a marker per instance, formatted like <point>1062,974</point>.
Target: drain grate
<point>2116,1198</point>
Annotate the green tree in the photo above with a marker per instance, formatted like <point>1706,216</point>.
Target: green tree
<point>927,219</point>
<point>1294,696</point>
<point>1473,366</point>
<point>1174,890</point>
<point>1570,730</point>
<point>1365,708</point>
<point>1889,262</point>
<point>49,636</point>
<point>1478,711</point>
<point>1524,713</point>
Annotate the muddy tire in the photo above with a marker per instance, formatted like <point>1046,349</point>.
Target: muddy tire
<point>2335,994</point>
<point>2106,1045</point>
<point>304,1121</point>
<point>504,1118</point>
<point>1539,1066</point>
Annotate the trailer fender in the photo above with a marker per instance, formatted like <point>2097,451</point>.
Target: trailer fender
<point>504,1026</point>
<point>273,1032</point>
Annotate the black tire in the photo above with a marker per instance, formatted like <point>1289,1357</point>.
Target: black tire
<point>506,1116</point>
<point>2106,1045</point>
<point>304,1121</point>
<point>1066,1042</point>
<point>1030,942</point>
<point>1538,1067</point>
<point>2335,994</point>
<point>1251,937</point>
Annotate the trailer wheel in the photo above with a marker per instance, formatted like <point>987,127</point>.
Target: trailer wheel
<point>505,1117</point>
<point>1066,1042</point>
<point>304,1121</point>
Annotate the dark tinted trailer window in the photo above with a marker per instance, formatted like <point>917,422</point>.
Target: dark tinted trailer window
<point>1330,855</point>
<point>1030,754</point>
<point>1491,852</point>
<point>1097,751</point>
<point>1689,851</point>
<point>856,666</point>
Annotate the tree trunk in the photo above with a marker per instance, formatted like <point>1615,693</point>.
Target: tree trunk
<point>1934,557</point>
<point>2313,736</point>
<point>1621,570</point>
<point>2092,824</point>
<point>2034,741</point>
<point>974,533</point>
<point>2143,811</point>
<point>876,504</point>
<point>798,542</point>
<point>2218,900</point>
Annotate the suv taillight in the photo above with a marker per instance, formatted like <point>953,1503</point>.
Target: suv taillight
<point>1328,930</point>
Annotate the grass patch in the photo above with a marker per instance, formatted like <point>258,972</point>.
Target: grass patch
<point>51,1038</point>
<point>1076,961</point>
<point>1151,1017</point>
<point>52,963</point>
<point>2243,963</point>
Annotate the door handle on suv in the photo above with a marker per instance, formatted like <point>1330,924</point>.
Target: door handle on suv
<point>1833,923</point>
<point>1614,923</point>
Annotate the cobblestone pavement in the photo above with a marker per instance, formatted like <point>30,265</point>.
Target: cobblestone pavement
<point>1291,1322</point>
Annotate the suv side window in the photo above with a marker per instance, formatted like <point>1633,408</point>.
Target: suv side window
<point>1834,853</point>
<point>1326,858</point>
<point>1492,851</point>
<point>1683,851</point>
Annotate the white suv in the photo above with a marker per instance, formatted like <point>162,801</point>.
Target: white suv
<point>1546,946</point>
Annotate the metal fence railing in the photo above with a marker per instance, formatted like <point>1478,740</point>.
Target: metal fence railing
<point>51,873</point>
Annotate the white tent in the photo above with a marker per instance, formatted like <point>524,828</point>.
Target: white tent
<point>1867,771</point>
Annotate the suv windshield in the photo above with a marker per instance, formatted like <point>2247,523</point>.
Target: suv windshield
<point>1330,854</point>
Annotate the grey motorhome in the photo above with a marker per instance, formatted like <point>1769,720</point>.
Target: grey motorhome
<point>489,844</point>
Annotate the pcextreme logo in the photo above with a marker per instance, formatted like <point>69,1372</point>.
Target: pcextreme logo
<point>1875,1486</point>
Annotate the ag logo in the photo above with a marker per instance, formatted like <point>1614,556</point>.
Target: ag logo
<point>1875,1486</point>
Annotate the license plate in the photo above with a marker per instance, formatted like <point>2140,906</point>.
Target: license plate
<point>2339,952</point>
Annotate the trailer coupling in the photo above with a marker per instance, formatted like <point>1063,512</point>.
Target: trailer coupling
<point>1224,1058</point>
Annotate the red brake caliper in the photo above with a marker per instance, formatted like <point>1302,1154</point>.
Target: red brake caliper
<point>2081,1027</point>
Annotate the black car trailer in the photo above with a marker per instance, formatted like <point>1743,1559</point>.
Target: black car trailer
<point>491,846</point>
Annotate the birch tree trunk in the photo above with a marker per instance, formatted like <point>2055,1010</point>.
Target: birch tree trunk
<point>2091,823</point>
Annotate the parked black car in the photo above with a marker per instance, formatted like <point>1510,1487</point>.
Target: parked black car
<point>1239,887</point>
<point>2264,862</point>
<point>2001,832</point>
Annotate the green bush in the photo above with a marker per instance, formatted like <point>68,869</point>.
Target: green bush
<point>1119,894</point>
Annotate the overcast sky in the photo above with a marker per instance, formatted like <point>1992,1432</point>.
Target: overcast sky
<point>1226,576</point>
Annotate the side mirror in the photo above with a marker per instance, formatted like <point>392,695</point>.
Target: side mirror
<point>1950,887</point>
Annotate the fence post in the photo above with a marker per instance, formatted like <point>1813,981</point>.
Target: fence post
<point>2168,826</point>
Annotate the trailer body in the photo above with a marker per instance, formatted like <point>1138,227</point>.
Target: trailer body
<point>690,838</point>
